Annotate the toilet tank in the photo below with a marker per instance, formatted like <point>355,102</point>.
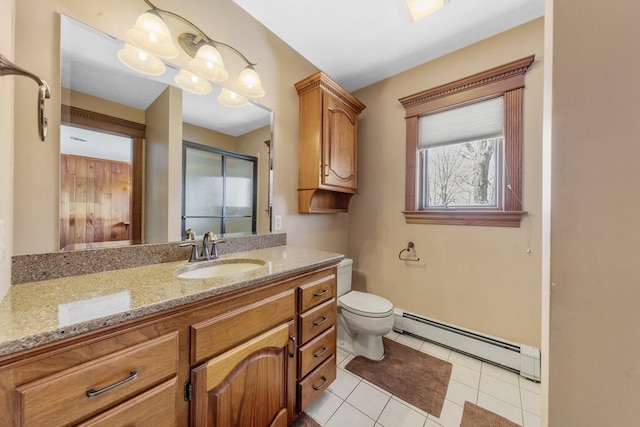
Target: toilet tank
<point>344,276</point>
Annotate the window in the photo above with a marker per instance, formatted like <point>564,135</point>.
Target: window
<point>464,150</point>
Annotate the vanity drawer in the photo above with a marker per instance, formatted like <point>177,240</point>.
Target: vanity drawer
<point>313,353</point>
<point>63,398</point>
<point>221,333</point>
<point>317,288</point>
<point>317,320</point>
<point>313,386</point>
<point>156,407</point>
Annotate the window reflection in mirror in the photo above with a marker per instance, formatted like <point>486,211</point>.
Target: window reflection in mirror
<point>94,80</point>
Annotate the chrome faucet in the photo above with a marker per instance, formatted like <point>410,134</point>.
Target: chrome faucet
<point>190,240</point>
<point>214,246</point>
<point>208,240</point>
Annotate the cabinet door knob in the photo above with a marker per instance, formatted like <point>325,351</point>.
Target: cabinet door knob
<point>326,169</point>
<point>92,392</point>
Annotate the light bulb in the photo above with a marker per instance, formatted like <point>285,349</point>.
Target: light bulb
<point>249,83</point>
<point>150,33</point>
<point>208,63</point>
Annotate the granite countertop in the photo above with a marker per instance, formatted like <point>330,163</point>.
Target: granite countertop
<point>38,313</point>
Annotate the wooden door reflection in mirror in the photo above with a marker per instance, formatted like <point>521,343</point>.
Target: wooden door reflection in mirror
<point>100,180</point>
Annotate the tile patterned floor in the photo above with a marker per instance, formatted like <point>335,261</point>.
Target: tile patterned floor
<point>354,402</point>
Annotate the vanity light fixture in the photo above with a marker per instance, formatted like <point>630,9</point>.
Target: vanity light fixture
<point>231,99</point>
<point>421,8</point>
<point>150,40</point>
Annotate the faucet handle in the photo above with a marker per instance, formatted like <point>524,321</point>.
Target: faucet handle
<point>189,234</point>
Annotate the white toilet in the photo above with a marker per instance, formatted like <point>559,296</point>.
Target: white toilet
<point>362,318</point>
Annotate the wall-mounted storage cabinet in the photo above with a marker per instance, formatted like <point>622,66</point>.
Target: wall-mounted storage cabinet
<point>327,146</point>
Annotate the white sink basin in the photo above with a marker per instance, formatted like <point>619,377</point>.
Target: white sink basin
<point>218,268</point>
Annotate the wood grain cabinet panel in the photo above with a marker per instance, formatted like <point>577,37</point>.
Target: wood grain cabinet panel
<point>154,408</point>
<point>317,382</point>
<point>317,289</point>
<point>79,392</point>
<point>213,336</point>
<point>248,385</point>
<point>327,145</point>
<point>317,320</point>
<point>314,352</point>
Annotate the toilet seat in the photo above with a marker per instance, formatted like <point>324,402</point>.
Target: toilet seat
<point>364,304</point>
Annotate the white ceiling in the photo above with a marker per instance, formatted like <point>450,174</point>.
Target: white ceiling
<point>360,42</point>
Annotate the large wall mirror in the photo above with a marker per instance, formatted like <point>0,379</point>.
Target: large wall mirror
<point>109,184</point>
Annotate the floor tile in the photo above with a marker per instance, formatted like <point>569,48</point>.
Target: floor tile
<point>435,350</point>
<point>459,393</point>
<point>392,335</point>
<point>397,414</point>
<point>347,415</point>
<point>381,390</point>
<point>501,390</point>
<point>324,407</point>
<point>346,360</point>
<point>501,374</point>
<point>450,416</point>
<point>464,360</point>
<point>344,384</point>
<point>530,402</point>
<point>341,355</point>
<point>368,400</point>
<point>410,341</point>
<point>500,407</point>
<point>353,402</point>
<point>465,375</point>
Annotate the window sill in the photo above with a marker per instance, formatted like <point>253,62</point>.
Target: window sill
<point>492,218</point>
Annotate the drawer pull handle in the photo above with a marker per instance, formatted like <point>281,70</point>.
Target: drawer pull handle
<point>321,293</point>
<point>293,340</point>
<point>320,322</point>
<point>92,392</point>
<point>324,350</point>
<point>318,387</point>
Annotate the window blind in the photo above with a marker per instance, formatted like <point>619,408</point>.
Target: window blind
<point>482,120</point>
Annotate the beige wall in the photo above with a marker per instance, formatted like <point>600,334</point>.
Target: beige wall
<point>476,277</point>
<point>6,147</point>
<point>101,105</point>
<point>163,168</point>
<point>252,144</point>
<point>37,42</point>
<point>595,297</point>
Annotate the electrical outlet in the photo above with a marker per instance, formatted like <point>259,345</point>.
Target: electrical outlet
<point>277,222</point>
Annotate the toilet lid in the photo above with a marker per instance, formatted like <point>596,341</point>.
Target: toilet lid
<point>365,304</point>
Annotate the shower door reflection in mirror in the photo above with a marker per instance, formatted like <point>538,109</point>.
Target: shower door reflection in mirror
<point>219,190</point>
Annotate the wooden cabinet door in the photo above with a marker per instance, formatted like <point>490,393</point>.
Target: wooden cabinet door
<point>339,145</point>
<point>249,385</point>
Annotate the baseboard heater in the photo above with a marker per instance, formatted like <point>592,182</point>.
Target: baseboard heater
<point>519,358</point>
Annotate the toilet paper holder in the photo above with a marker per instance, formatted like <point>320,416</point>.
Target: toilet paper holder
<point>410,248</point>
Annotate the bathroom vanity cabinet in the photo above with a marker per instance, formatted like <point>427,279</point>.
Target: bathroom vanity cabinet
<point>327,145</point>
<point>251,357</point>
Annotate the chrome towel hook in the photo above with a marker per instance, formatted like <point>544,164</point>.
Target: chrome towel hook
<point>9,68</point>
<point>410,247</point>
